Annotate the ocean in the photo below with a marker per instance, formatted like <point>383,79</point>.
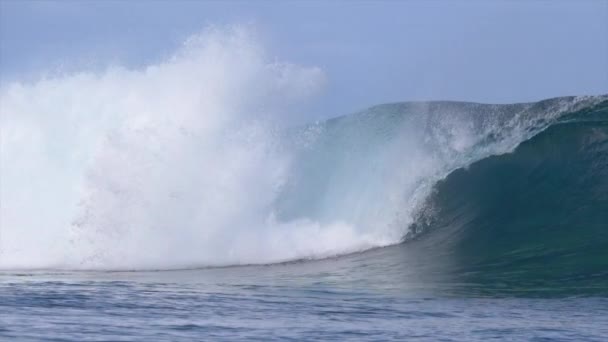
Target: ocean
<point>182,202</point>
<point>351,298</point>
<point>512,246</point>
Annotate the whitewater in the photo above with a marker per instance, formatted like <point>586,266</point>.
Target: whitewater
<point>202,160</point>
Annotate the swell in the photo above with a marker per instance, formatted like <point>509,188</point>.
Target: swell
<point>533,219</point>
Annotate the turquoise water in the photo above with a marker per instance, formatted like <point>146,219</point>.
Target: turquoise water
<point>501,232</point>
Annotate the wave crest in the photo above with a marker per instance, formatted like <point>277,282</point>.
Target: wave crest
<point>195,162</point>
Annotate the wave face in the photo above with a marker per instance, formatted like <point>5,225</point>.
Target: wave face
<point>533,219</point>
<point>197,161</point>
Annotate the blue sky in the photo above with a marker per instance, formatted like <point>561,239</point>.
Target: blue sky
<point>371,52</point>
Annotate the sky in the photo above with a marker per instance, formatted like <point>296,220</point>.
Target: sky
<point>371,52</point>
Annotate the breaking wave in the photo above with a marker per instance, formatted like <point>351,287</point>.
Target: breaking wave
<point>200,161</point>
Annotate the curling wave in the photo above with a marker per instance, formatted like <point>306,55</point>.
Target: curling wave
<point>198,161</point>
<point>532,220</point>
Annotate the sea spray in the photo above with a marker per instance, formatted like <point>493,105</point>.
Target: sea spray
<point>174,165</point>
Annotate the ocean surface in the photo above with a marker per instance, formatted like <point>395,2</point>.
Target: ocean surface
<point>333,300</point>
<point>192,200</point>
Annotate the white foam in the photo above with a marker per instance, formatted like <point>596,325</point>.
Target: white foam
<point>170,166</point>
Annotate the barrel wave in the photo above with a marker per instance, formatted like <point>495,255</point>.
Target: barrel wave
<point>533,219</point>
<point>515,200</point>
<point>201,160</point>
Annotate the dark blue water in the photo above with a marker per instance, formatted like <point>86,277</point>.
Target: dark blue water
<point>327,300</point>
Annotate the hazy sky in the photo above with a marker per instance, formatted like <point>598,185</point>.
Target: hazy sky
<point>371,52</point>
